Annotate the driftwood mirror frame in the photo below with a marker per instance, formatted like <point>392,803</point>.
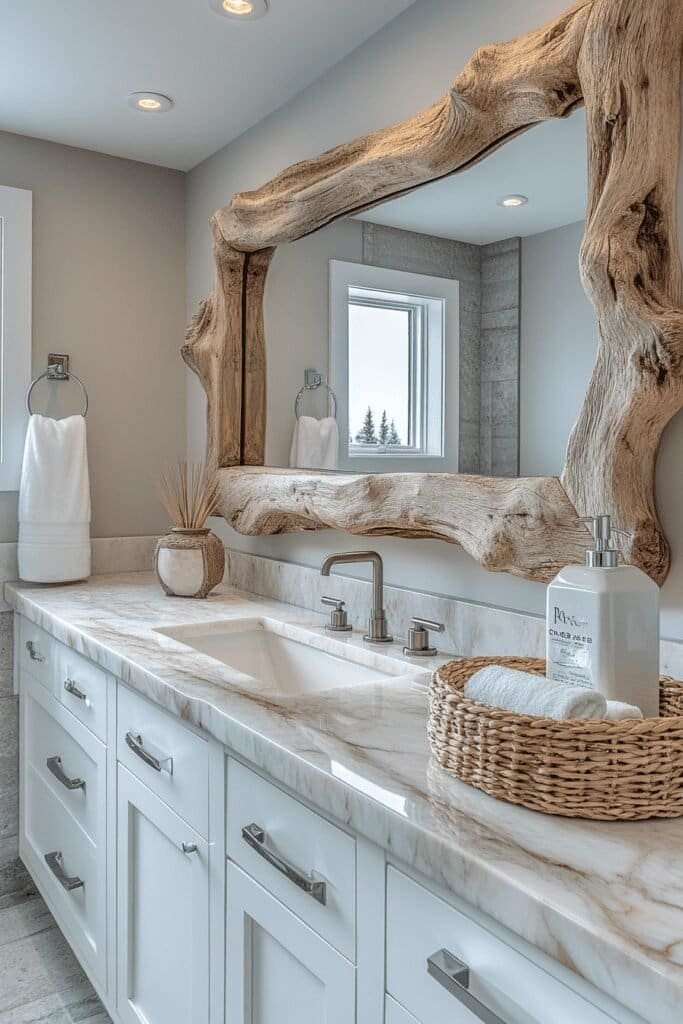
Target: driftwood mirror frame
<point>622,59</point>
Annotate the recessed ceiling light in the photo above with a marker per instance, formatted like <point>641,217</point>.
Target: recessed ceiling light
<point>515,200</point>
<point>245,10</point>
<point>150,102</point>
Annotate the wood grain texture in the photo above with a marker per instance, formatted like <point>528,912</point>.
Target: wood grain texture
<point>214,350</point>
<point>624,59</point>
<point>630,69</point>
<point>524,526</point>
<point>255,394</point>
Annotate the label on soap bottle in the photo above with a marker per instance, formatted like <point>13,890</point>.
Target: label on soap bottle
<point>569,648</point>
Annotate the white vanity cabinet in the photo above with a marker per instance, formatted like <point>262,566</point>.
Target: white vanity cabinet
<point>279,971</point>
<point>63,800</point>
<point>114,830</point>
<point>34,652</point>
<point>305,861</point>
<point>195,890</point>
<point>291,909</point>
<point>445,968</point>
<point>395,1014</point>
<point>162,912</point>
<point>163,866</point>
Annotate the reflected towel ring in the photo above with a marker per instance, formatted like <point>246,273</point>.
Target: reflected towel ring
<point>54,372</point>
<point>313,381</point>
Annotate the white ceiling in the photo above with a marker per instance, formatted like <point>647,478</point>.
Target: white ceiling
<point>68,67</point>
<point>547,164</point>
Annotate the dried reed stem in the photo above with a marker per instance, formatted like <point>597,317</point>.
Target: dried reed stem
<point>189,492</point>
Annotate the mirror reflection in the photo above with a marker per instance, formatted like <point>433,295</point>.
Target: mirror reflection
<point>442,331</point>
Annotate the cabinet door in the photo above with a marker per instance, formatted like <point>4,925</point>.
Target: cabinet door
<point>279,971</point>
<point>395,1014</point>
<point>163,912</point>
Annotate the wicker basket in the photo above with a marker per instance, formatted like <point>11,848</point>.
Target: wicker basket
<point>607,771</point>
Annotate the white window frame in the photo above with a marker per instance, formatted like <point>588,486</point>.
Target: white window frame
<point>15,328</point>
<point>436,371</point>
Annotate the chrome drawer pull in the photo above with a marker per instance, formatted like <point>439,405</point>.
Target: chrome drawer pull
<point>68,882</point>
<point>255,836</point>
<point>54,765</point>
<point>70,687</point>
<point>190,848</point>
<point>454,975</point>
<point>159,762</point>
<point>33,652</point>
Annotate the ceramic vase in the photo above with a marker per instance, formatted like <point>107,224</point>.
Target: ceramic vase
<point>189,563</point>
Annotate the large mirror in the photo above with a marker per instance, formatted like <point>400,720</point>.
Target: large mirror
<point>450,323</point>
<point>617,381</point>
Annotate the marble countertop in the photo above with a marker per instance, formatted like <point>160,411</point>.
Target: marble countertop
<point>606,900</point>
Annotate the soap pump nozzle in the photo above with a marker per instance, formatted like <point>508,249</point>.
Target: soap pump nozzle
<point>603,555</point>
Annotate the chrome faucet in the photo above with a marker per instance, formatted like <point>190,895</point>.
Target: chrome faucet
<point>377,625</point>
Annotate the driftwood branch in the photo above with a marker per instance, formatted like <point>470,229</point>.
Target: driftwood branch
<point>214,350</point>
<point>496,520</point>
<point>630,69</point>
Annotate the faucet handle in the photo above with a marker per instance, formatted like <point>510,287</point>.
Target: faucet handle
<point>338,618</point>
<point>418,637</point>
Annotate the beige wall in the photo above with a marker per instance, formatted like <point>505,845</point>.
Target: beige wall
<point>109,289</point>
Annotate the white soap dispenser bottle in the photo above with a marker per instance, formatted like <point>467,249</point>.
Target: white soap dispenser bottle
<point>602,625</point>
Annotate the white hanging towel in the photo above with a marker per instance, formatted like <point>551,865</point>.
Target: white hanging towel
<point>315,443</point>
<point>54,502</point>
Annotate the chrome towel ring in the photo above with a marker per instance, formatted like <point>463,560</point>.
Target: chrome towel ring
<point>312,381</point>
<point>57,369</point>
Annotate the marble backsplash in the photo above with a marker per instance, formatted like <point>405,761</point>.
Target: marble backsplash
<point>110,554</point>
<point>471,629</point>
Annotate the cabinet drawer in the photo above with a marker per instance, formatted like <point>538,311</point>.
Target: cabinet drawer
<point>419,925</point>
<point>165,755</point>
<point>71,762</point>
<point>82,688</point>
<point>297,847</point>
<point>69,869</point>
<point>36,652</point>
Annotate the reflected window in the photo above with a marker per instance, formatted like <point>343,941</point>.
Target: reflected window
<point>387,364</point>
<point>386,372</point>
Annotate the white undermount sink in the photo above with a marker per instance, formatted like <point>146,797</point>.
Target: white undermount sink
<point>284,659</point>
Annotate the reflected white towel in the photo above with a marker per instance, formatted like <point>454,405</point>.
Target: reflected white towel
<point>528,694</point>
<point>54,502</point>
<point>314,443</point>
<point>618,711</point>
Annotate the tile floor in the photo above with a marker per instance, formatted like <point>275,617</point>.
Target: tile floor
<point>41,981</point>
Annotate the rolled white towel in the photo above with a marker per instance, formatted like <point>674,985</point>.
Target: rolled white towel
<point>618,711</point>
<point>528,694</point>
